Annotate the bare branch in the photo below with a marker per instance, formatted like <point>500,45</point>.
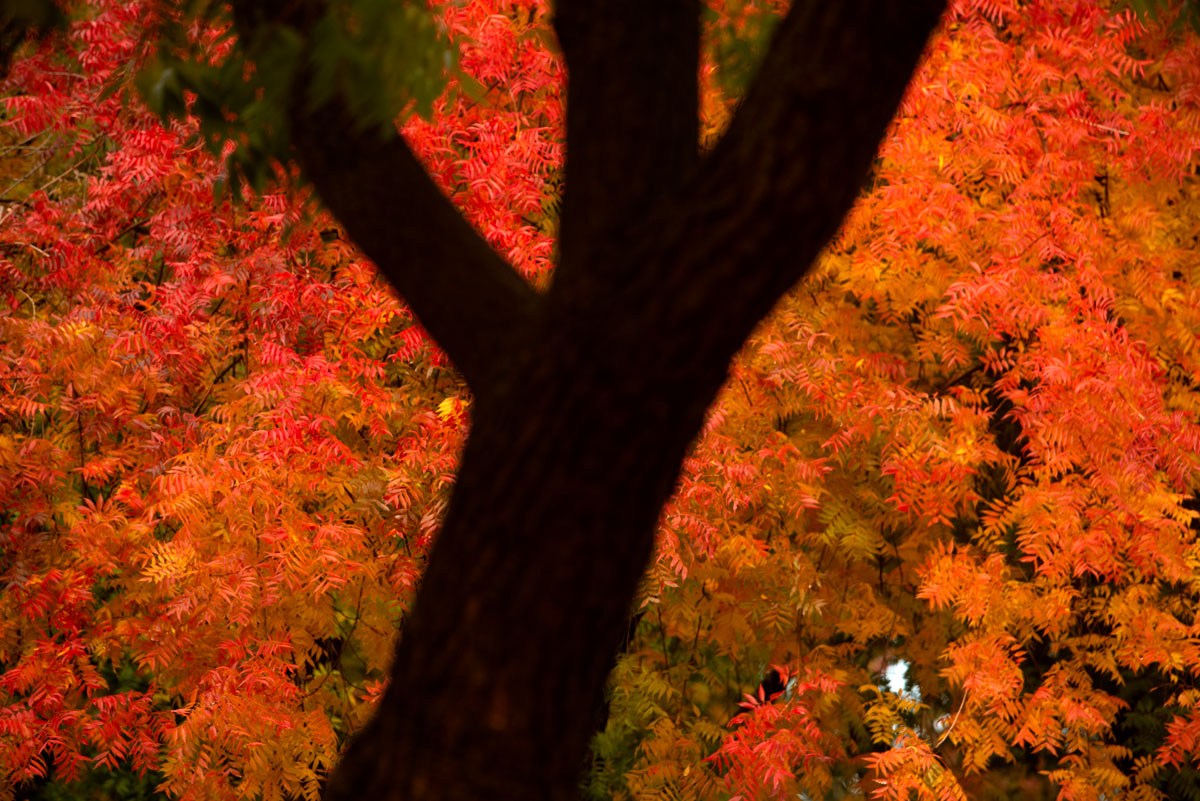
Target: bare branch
<point>721,252</point>
<point>632,112</point>
<point>467,297</point>
<point>470,300</point>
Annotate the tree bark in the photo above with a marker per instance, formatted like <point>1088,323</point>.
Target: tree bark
<point>589,395</point>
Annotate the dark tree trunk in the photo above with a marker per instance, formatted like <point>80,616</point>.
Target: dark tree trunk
<point>527,597</point>
<point>589,395</point>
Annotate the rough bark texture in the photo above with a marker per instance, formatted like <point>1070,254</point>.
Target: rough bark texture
<point>590,394</point>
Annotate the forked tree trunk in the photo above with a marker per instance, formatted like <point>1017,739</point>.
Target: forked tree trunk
<point>588,395</point>
<point>522,607</point>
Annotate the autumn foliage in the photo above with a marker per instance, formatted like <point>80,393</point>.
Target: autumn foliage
<point>963,455</point>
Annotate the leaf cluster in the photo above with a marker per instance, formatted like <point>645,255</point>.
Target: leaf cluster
<point>244,82</point>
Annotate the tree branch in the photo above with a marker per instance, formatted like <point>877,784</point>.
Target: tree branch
<point>472,302</point>
<point>749,225</point>
<point>477,308</point>
<point>632,112</point>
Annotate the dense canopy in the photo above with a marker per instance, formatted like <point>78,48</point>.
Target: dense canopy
<point>937,537</point>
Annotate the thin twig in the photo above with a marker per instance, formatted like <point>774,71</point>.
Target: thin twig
<point>662,630</point>
<point>950,728</point>
<point>46,186</point>
<point>4,195</point>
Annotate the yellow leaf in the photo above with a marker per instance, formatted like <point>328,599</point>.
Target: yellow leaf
<point>448,408</point>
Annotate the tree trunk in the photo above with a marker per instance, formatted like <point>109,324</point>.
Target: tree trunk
<point>588,395</point>
<point>527,592</point>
